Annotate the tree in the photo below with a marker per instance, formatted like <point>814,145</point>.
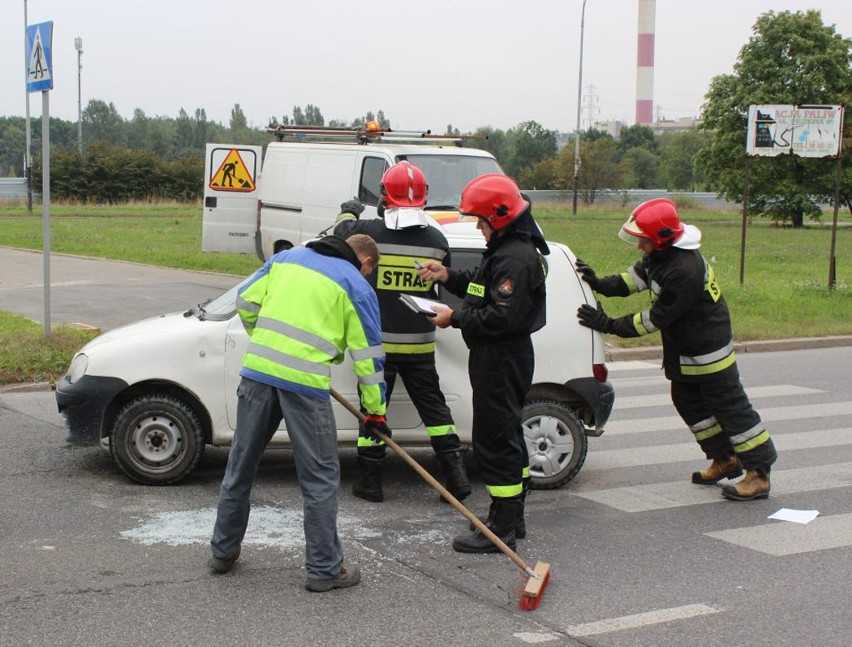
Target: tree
<point>791,58</point>
<point>643,167</point>
<point>238,121</point>
<point>677,160</point>
<point>637,136</point>
<point>529,144</point>
<point>600,168</point>
<point>101,122</point>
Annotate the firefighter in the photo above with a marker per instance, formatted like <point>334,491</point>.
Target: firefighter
<point>406,239</point>
<point>504,303</point>
<point>688,309</point>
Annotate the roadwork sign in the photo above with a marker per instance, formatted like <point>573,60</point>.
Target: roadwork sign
<point>234,173</point>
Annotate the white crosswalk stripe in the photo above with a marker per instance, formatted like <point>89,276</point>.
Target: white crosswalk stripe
<point>779,538</point>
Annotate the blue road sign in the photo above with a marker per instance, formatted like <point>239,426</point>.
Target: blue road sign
<point>40,57</point>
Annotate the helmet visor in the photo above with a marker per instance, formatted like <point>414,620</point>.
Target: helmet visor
<point>631,233</point>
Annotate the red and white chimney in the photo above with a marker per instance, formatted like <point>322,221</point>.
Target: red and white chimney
<point>645,63</point>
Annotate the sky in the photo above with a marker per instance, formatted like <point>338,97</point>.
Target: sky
<point>425,63</point>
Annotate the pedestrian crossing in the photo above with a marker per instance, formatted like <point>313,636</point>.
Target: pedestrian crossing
<point>638,439</point>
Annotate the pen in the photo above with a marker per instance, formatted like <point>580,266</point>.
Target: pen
<point>418,265</point>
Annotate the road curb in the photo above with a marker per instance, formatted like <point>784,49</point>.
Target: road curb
<point>614,354</point>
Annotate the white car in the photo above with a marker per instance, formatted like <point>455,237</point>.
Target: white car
<point>161,389</point>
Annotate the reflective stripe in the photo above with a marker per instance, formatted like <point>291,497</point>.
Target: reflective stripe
<point>709,357</point>
<point>248,306</point>
<point>314,368</point>
<point>634,281</point>
<point>710,284</point>
<point>412,252</point>
<point>300,335</point>
<point>525,473</point>
<point>715,430</point>
<point>642,323</point>
<point>369,442</point>
<point>703,424</point>
<point>410,349</point>
<point>754,442</point>
<point>440,430</point>
<point>408,338</point>
<point>371,352</point>
<point>372,379</point>
<point>744,436</point>
<point>713,362</point>
<point>505,491</point>
<point>475,289</point>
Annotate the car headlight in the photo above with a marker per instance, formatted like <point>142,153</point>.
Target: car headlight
<point>78,367</point>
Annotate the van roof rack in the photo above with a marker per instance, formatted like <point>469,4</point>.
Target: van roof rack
<point>363,134</point>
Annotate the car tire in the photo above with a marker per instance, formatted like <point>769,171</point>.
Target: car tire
<point>156,439</point>
<point>556,441</point>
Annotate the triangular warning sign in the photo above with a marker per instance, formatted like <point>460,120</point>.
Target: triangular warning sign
<point>38,69</point>
<point>232,174</point>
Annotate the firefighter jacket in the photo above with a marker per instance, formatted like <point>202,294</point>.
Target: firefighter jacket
<point>504,296</point>
<point>302,310</point>
<point>687,307</point>
<point>406,335</point>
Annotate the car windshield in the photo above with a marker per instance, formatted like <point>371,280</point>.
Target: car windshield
<point>447,175</point>
<point>223,306</point>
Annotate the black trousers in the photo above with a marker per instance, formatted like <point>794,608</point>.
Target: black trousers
<point>722,420</point>
<point>501,376</point>
<point>423,386</point>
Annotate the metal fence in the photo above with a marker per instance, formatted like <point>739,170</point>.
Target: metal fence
<point>632,197</point>
<point>14,189</point>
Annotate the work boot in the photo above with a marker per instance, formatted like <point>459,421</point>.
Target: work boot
<point>503,516</point>
<point>222,565</point>
<point>726,467</point>
<point>521,524</point>
<point>453,465</point>
<point>369,484</point>
<point>755,485</point>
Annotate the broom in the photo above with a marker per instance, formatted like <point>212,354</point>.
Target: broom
<point>539,576</point>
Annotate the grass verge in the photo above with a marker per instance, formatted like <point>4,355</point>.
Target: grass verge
<point>29,357</point>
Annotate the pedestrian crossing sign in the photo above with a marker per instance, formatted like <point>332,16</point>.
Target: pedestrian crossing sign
<point>233,173</point>
<point>40,57</point>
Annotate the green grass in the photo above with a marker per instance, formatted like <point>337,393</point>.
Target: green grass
<point>28,357</point>
<point>785,293</point>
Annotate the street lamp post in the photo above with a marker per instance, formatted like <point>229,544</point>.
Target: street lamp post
<point>579,103</point>
<point>78,45</point>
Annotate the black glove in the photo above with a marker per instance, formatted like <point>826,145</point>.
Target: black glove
<point>376,423</point>
<point>352,206</point>
<point>588,275</point>
<point>594,318</point>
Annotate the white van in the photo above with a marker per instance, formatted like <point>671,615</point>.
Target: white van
<point>298,192</point>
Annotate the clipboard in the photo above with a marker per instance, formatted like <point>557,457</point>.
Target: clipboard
<point>420,305</point>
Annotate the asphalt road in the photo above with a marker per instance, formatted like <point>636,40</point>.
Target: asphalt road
<point>640,557</point>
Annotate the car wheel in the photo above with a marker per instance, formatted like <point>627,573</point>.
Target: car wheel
<point>156,439</point>
<point>556,441</point>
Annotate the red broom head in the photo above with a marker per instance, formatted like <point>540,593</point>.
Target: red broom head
<point>529,602</point>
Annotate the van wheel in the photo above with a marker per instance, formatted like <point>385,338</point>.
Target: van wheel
<point>156,439</point>
<point>556,441</point>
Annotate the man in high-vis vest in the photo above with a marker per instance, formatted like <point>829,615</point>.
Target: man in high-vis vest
<point>406,240</point>
<point>302,310</point>
<point>688,309</point>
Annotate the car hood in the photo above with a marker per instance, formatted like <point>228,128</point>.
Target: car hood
<point>166,324</point>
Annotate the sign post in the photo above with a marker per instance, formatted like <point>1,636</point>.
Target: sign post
<point>40,79</point>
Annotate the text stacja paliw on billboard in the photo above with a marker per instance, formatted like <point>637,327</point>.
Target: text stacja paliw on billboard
<point>806,131</point>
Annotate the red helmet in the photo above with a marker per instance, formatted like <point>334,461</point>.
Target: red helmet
<point>655,220</point>
<point>494,197</point>
<point>404,185</point>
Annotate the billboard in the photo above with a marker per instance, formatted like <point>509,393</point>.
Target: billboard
<point>806,131</point>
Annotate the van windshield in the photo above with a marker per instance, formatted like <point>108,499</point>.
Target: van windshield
<point>447,175</point>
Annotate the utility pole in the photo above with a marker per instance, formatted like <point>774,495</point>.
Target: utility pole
<point>579,106</point>
<point>28,173</point>
<point>78,45</point>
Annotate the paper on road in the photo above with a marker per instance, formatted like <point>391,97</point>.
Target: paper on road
<point>797,516</point>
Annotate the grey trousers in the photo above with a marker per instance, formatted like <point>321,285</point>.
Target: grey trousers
<point>312,432</point>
